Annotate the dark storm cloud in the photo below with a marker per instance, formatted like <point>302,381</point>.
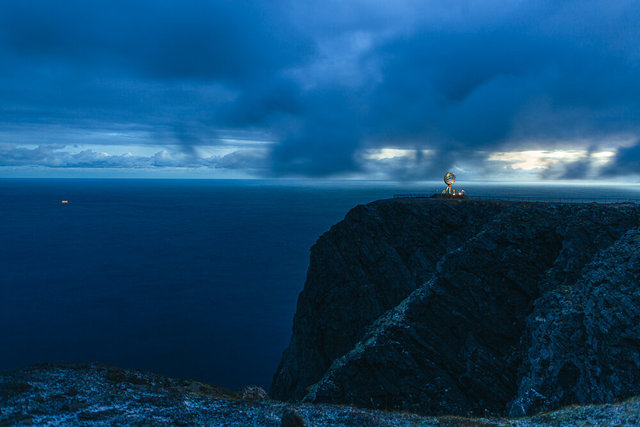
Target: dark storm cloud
<point>327,80</point>
<point>192,39</point>
<point>626,162</point>
<point>541,77</point>
<point>538,76</point>
<point>576,170</point>
<point>173,65</point>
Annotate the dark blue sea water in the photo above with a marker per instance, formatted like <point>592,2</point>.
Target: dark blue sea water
<point>188,278</point>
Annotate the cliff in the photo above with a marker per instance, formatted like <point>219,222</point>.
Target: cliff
<point>469,307</point>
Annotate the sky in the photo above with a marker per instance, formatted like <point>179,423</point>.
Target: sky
<point>545,90</point>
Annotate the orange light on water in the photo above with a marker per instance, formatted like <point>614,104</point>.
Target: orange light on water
<point>64,202</point>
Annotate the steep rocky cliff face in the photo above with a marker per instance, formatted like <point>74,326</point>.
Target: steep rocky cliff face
<point>583,340</point>
<point>468,307</point>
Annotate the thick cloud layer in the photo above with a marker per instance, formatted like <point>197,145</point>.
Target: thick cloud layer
<point>323,82</point>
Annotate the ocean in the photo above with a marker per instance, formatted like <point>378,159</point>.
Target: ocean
<point>186,278</point>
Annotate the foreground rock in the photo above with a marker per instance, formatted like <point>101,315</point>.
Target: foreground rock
<point>253,392</point>
<point>469,308</point>
<point>92,394</point>
<point>291,418</point>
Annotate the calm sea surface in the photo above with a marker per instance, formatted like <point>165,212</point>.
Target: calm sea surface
<point>188,278</point>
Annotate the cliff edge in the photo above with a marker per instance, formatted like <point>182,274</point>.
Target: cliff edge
<point>469,307</point>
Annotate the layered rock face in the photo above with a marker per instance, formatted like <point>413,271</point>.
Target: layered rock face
<point>468,307</point>
<point>583,340</point>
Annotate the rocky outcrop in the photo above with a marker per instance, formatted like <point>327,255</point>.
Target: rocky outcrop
<point>254,393</point>
<point>433,306</point>
<point>291,418</point>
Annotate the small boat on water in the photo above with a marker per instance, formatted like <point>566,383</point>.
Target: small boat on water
<point>64,202</point>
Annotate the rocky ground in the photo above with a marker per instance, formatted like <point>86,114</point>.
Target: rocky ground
<point>92,394</point>
<point>469,307</point>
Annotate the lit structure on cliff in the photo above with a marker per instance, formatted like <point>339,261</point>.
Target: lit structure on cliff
<point>449,179</point>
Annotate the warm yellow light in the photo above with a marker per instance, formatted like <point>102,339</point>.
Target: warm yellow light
<point>64,202</point>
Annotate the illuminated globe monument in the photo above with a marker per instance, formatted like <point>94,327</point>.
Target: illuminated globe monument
<point>449,179</point>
